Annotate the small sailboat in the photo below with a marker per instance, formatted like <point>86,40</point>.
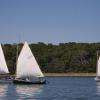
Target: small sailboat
<point>4,72</point>
<point>3,65</point>
<point>97,78</point>
<point>27,68</point>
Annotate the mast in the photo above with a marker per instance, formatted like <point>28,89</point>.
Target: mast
<point>98,65</point>
<point>16,58</point>
<point>17,53</point>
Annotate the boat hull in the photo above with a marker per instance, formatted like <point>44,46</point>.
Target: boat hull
<point>97,79</point>
<point>17,81</point>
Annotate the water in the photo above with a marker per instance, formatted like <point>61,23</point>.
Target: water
<point>57,88</point>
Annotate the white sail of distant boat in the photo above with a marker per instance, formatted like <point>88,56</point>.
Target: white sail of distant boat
<point>98,68</point>
<point>3,65</point>
<point>27,67</point>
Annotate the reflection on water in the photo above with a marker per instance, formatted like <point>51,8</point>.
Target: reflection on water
<point>58,88</point>
<point>19,92</point>
<point>3,90</point>
<point>98,88</point>
<point>28,91</point>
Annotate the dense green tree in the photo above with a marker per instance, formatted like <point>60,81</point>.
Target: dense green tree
<point>65,57</point>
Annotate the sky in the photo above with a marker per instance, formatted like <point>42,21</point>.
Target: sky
<point>49,21</point>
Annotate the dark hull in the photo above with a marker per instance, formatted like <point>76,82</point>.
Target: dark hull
<point>17,81</point>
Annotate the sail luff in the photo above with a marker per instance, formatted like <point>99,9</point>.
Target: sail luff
<point>97,64</point>
<point>27,65</point>
<point>98,67</point>
<point>3,65</point>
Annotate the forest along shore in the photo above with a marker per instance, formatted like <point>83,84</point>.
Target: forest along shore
<point>70,74</point>
<point>61,58</point>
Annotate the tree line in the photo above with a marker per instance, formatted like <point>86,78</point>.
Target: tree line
<point>64,57</point>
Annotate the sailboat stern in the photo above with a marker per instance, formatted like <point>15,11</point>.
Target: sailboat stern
<point>27,81</point>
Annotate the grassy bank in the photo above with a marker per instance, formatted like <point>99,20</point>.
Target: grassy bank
<point>57,74</point>
<point>70,74</point>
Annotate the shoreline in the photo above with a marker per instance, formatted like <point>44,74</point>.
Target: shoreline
<point>70,74</point>
<point>58,74</point>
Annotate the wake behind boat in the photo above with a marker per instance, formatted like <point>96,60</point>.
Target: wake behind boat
<point>27,69</point>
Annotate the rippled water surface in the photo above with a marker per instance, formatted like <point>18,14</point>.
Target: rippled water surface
<point>57,88</point>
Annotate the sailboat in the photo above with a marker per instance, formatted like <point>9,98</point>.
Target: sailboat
<point>27,68</point>
<point>3,65</point>
<point>97,78</point>
<point>4,72</point>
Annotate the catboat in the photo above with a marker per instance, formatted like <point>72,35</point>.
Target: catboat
<point>27,68</point>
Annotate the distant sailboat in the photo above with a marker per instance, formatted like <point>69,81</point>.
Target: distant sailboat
<point>97,78</point>
<point>4,72</point>
<point>3,65</point>
<point>27,69</point>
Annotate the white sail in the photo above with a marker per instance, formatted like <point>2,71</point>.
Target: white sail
<point>27,65</point>
<point>3,65</point>
<point>98,67</point>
